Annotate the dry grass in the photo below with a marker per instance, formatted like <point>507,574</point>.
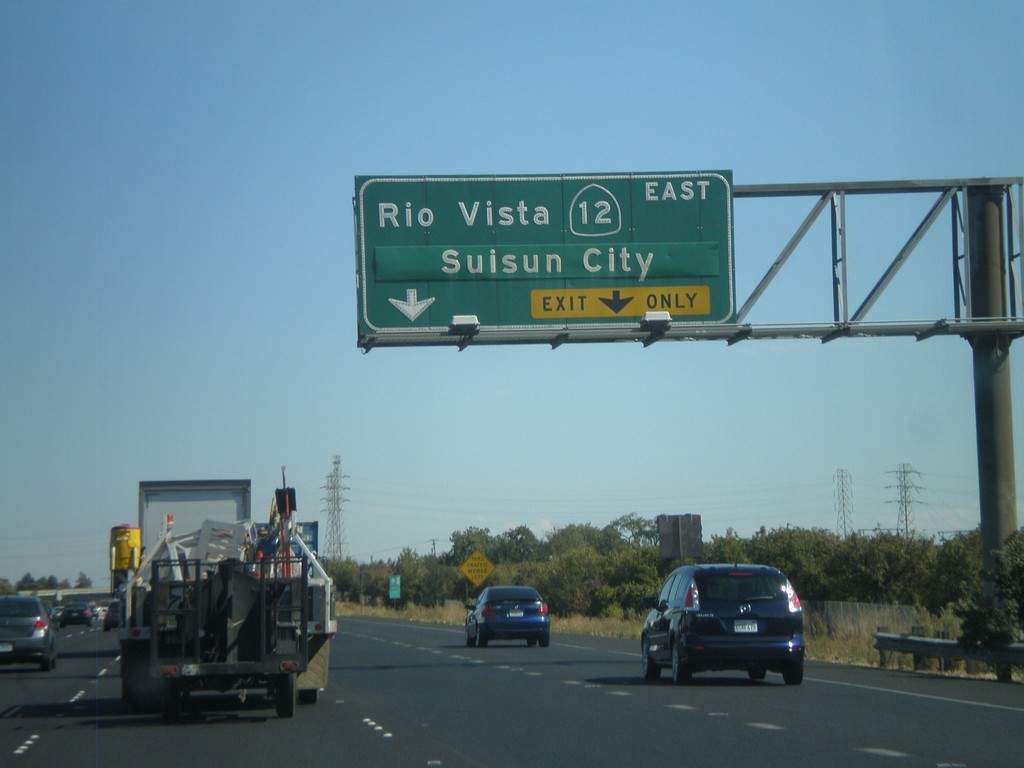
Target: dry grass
<point>448,614</point>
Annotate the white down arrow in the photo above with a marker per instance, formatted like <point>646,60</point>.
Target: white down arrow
<point>412,307</point>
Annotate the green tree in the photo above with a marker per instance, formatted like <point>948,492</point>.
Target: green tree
<point>25,583</point>
<point>410,570</point>
<point>635,530</point>
<point>83,582</point>
<point>426,580</point>
<point>1008,577</point>
<point>374,579</point>
<point>465,543</point>
<point>885,568</point>
<point>628,575</point>
<point>345,575</point>
<point>957,570</point>
<point>806,556</point>
<point>571,580</point>
<point>517,545</point>
<point>582,535</point>
<point>727,549</point>
<point>996,618</point>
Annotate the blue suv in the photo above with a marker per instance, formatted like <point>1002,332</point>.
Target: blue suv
<point>716,617</point>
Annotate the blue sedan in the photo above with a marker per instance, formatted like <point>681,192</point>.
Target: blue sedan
<point>508,613</point>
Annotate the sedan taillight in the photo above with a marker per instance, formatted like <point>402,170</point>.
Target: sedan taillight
<point>543,609</point>
<point>488,610</point>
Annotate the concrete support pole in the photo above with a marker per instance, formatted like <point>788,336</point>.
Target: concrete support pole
<point>997,488</point>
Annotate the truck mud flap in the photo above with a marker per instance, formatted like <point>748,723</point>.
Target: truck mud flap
<point>139,690</point>
<point>315,677</point>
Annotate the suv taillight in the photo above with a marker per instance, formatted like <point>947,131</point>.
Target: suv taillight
<point>692,600</point>
<point>794,600</point>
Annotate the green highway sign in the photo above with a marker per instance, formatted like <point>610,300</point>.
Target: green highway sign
<point>515,259</point>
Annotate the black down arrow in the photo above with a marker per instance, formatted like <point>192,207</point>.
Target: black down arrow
<point>616,303</point>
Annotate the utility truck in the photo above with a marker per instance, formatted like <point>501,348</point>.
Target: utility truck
<point>226,604</point>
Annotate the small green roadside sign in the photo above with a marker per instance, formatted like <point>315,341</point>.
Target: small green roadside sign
<point>510,259</point>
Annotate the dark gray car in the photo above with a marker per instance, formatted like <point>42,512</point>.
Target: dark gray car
<point>27,635</point>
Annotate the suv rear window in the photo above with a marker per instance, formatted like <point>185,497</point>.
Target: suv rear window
<point>20,609</point>
<point>740,585</point>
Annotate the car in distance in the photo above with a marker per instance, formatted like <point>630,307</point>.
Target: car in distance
<point>508,613</point>
<point>112,618</point>
<point>718,617</point>
<point>77,613</point>
<point>27,635</point>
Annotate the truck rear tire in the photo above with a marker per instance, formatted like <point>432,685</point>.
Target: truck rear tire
<point>285,695</point>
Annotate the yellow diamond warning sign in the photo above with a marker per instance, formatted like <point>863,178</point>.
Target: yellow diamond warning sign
<point>620,302</point>
<point>477,568</point>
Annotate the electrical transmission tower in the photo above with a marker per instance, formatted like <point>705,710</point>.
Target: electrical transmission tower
<point>906,491</point>
<point>844,502</point>
<point>336,543</point>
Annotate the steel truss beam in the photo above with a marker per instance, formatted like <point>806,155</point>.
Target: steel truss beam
<point>952,193</point>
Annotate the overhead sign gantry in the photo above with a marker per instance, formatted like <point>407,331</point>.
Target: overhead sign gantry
<point>503,259</point>
<point>555,259</point>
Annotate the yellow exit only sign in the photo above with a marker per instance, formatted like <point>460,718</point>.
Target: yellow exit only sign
<point>620,302</point>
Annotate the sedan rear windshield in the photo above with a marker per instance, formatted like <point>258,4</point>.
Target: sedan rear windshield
<point>512,595</point>
<point>740,585</point>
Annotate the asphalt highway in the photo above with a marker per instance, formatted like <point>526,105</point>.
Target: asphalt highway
<point>409,694</point>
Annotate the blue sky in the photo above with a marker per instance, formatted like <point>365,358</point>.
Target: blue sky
<point>177,287</point>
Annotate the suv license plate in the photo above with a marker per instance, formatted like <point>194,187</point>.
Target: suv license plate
<point>744,626</point>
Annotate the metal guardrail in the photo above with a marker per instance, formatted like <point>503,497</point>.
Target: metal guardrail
<point>931,647</point>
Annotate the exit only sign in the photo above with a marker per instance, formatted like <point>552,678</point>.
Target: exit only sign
<point>528,257</point>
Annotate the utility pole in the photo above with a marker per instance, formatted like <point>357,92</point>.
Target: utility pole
<point>844,502</point>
